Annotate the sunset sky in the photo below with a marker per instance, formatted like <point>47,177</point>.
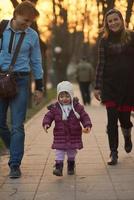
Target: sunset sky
<point>76,10</point>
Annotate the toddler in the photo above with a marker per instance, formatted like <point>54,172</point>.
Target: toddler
<point>67,113</point>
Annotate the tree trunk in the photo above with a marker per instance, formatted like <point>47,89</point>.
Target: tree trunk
<point>14,3</point>
<point>129,11</point>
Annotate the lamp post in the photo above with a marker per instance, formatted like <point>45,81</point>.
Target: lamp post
<point>58,50</point>
<point>58,63</point>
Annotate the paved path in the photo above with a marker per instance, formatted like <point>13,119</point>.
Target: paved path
<point>94,179</point>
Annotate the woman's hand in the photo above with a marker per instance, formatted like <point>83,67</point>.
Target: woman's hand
<point>97,94</point>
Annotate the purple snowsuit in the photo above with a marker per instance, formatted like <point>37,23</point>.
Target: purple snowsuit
<point>67,133</point>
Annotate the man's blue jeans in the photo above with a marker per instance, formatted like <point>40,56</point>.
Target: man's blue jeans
<point>15,136</point>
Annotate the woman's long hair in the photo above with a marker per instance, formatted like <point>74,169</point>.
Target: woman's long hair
<point>125,35</point>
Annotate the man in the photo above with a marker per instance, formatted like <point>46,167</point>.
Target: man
<point>29,55</point>
<point>85,75</point>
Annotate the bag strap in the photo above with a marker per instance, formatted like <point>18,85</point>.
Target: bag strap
<point>3,25</point>
<point>15,55</point>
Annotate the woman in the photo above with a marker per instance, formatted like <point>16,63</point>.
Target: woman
<point>114,80</point>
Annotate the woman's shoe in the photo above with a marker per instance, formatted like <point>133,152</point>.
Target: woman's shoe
<point>113,159</point>
<point>127,138</point>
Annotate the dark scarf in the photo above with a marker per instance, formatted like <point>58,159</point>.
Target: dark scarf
<point>115,46</point>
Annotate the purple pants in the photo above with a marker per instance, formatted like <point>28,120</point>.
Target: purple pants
<point>60,154</point>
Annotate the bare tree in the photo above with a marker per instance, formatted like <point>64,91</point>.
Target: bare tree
<point>60,38</point>
<point>129,11</point>
<point>110,4</point>
<point>14,2</point>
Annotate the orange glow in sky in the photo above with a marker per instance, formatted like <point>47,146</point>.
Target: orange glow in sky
<point>5,11</point>
<point>80,17</point>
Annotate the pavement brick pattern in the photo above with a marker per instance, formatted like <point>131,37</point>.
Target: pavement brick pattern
<point>94,179</point>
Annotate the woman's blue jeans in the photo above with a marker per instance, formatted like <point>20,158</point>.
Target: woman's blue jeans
<point>14,136</point>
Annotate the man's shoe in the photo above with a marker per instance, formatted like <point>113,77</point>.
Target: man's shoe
<point>15,172</point>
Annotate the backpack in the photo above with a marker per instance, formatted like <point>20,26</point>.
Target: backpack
<point>3,25</point>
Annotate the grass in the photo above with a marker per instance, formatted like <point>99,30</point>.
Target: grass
<point>51,94</point>
<point>1,144</point>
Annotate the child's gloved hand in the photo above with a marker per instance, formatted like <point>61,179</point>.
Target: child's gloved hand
<point>86,130</point>
<point>46,127</point>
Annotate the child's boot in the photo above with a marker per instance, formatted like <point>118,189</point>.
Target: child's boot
<point>71,167</point>
<point>58,169</point>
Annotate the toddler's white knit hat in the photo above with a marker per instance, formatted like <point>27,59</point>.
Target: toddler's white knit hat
<point>66,86</point>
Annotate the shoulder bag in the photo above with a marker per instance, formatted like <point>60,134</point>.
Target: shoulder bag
<point>8,85</point>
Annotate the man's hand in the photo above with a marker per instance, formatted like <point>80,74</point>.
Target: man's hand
<point>38,96</point>
<point>97,94</point>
